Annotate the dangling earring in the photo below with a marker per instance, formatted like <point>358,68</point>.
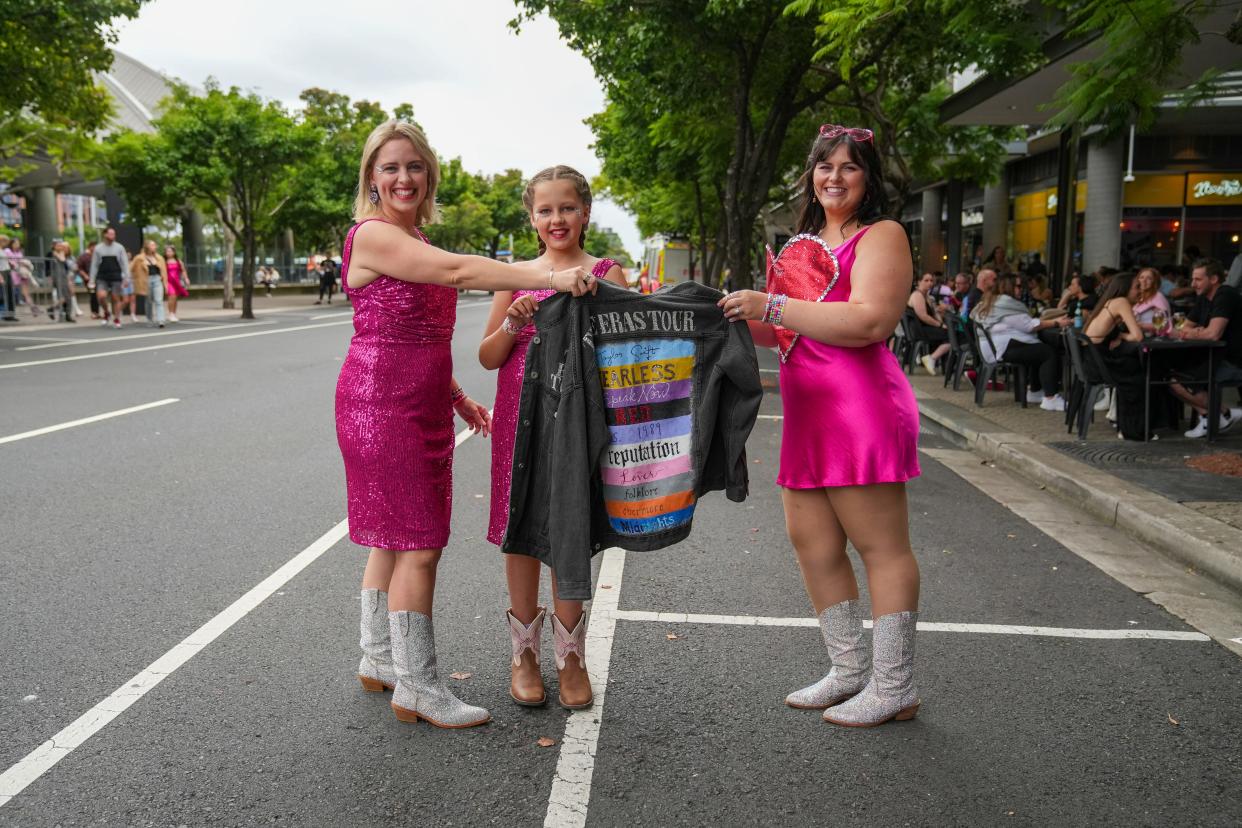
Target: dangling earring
<point>374,197</point>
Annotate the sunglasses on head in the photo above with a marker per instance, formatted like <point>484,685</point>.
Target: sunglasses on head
<point>857,133</point>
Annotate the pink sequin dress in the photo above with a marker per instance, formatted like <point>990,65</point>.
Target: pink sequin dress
<point>850,416</point>
<point>394,418</point>
<point>505,412</point>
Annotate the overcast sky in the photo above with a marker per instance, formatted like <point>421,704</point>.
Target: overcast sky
<point>495,98</point>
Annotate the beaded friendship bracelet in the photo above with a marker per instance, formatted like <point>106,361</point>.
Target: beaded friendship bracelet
<point>457,394</point>
<point>775,308</point>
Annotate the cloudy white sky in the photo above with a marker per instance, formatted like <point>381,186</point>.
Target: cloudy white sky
<point>495,98</point>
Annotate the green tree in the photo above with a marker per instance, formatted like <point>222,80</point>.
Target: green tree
<point>503,198</point>
<point>604,243</point>
<point>229,149</point>
<point>49,100</point>
<point>317,199</point>
<point>465,223</point>
<point>745,66</point>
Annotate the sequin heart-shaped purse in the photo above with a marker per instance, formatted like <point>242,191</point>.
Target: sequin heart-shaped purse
<point>806,268</point>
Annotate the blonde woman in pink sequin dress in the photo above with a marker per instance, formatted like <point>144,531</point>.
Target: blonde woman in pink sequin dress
<point>558,200</point>
<point>849,438</point>
<point>394,411</point>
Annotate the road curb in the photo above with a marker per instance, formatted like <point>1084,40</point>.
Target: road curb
<point>1211,547</point>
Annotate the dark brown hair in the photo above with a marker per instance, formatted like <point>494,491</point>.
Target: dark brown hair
<point>874,204</point>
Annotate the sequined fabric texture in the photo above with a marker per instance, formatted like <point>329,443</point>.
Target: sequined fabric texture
<point>505,413</point>
<point>394,420</point>
<point>850,416</point>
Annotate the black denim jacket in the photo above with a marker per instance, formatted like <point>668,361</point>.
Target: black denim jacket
<point>632,407</point>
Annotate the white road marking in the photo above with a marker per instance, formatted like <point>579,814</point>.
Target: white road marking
<point>769,370</point>
<point>13,438</point>
<point>40,339</point>
<point>202,341</point>
<point>43,758</point>
<point>771,416</point>
<point>332,315</point>
<point>924,626</point>
<point>103,340</point>
<point>571,784</point>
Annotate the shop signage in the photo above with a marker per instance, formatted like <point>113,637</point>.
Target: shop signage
<point>1223,187</point>
<point>1213,188</point>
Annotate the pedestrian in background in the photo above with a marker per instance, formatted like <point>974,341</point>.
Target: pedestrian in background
<point>84,273</point>
<point>60,268</point>
<point>9,283</point>
<point>109,269</point>
<point>178,280</point>
<point>22,270</point>
<point>558,201</point>
<point>1149,299</point>
<point>838,290</point>
<point>327,279</point>
<point>150,277</point>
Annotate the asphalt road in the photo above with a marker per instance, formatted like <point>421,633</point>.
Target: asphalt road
<point>122,537</point>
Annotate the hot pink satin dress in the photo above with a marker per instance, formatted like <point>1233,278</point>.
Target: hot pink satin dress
<point>394,416</point>
<point>505,413</point>
<point>850,415</point>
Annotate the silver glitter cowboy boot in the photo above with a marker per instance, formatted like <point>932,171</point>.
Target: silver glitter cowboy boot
<point>375,670</point>
<point>890,693</point>
<point>420,693</point>
<point>526,686</point>
<point>842,627</point>
<point>572,679</point>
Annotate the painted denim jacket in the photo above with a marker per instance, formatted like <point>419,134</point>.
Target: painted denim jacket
<point>633,406</point>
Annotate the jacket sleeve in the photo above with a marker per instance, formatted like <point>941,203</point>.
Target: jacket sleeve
<point>94,263</point>
<point>569,523</point>
<point>740,396</point>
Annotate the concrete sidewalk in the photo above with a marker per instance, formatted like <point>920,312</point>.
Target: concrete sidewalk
<point>1147,490</point>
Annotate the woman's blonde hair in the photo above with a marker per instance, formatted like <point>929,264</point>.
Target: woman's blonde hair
<point>381,135</point>
<point>581,186</point>
<point>1144,295</point>
<point>1003,286</point>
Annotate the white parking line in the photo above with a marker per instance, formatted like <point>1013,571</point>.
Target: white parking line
<point>43,758</point>
<point>332,315</point>
<point>104,340</point>
<point>771,416</point>
<point>202,341</point>
<point>13,438</point>
<point>571,784</point>
<point>40,339</point>
<point>924,626</point>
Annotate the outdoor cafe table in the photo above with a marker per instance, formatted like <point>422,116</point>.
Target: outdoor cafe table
<point>1154,345</point>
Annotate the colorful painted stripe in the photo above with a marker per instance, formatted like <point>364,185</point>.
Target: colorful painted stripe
<point>651,451</point>
<point>639,394</point>
<point>638,509</point>
<point>647,373</point>
<point>655,487</point>
<point>653,430</point>
<point>646,526</point>
<point>645,413</point>
<point>636,475</point>
<point>633,351</point>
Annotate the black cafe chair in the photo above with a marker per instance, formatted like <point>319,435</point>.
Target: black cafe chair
<point>987,370</point>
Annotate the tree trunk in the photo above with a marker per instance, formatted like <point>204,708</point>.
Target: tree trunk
<point>230,244</point>
<point>249,245</point>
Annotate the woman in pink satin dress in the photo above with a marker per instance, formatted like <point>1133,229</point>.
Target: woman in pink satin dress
<point>850,431</point>
<point>394,411</point>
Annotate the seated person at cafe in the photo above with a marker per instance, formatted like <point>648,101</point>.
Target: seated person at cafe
<point>961,287</point>
<point>929,321</point>
<point>1216,316</point>
<point>1148,299</point>
<point>1115,332</point>
<point>1080,292</point>
<point>984,282</point>
<point>1014,332</point>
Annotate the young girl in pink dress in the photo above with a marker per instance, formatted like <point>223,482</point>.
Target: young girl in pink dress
<point>849,438</point>
<point>559,202</point>
<point>177,281</point>
<point>395,399</point>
